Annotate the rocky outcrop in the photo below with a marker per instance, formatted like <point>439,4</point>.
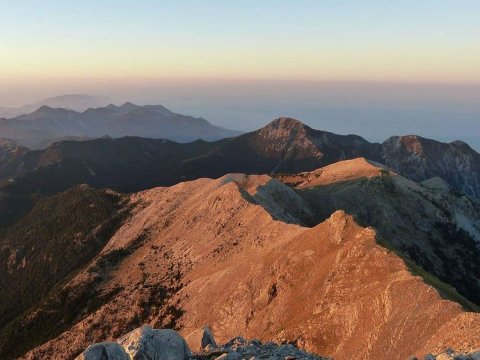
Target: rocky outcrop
<point>146,343</point>
<point>104,351</point>
<point>200,339</point>
<point>240,348</point>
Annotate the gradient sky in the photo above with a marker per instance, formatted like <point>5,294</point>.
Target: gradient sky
<point>372,67</point>
<point>406,40</point>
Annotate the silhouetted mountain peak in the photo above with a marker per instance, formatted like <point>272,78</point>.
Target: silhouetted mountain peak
<point>76,102</point>
<point>46,110</point>
<point>461,145</point>
<point>286,123</point>
<point>128,106</point>
<point>125,107</point>
<point>43,108</point>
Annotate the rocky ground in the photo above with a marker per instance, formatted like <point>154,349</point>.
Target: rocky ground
<point>452,355</point>
<point>147,343</point>
<point>165,344</point>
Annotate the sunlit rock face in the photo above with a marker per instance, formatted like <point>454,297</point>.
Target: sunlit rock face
<point>234,253</point>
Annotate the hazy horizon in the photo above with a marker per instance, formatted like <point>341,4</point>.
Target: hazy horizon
<point>373,110</point>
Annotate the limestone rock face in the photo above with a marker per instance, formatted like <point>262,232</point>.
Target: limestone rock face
<point>200,339</point>
<point>147,343</point>
<point>104,351</point>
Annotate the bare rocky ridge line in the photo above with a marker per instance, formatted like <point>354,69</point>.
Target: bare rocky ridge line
<point>229,261</point>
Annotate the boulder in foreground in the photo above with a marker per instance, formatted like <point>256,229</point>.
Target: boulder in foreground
<point>147,343</point>
<point>104,351</point>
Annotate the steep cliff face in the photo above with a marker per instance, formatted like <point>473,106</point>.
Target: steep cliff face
<point>231,253</point>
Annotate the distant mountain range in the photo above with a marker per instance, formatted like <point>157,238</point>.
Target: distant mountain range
<point>283,146</point>
<point>77,102</point>
<point>46,125</point>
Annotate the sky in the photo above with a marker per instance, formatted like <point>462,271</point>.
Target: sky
<point>338,64</point>
<point>406,40</point>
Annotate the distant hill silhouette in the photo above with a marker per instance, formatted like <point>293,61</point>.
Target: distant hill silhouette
<point>77,102</point>
<point>47,124</point>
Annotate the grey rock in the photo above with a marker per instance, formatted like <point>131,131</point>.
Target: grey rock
<point>146,343</point>
<point>230,356</point>
<point>238,340</point>
<point>254,349</point>
<point>200,339</point>
<point>104,351</point>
